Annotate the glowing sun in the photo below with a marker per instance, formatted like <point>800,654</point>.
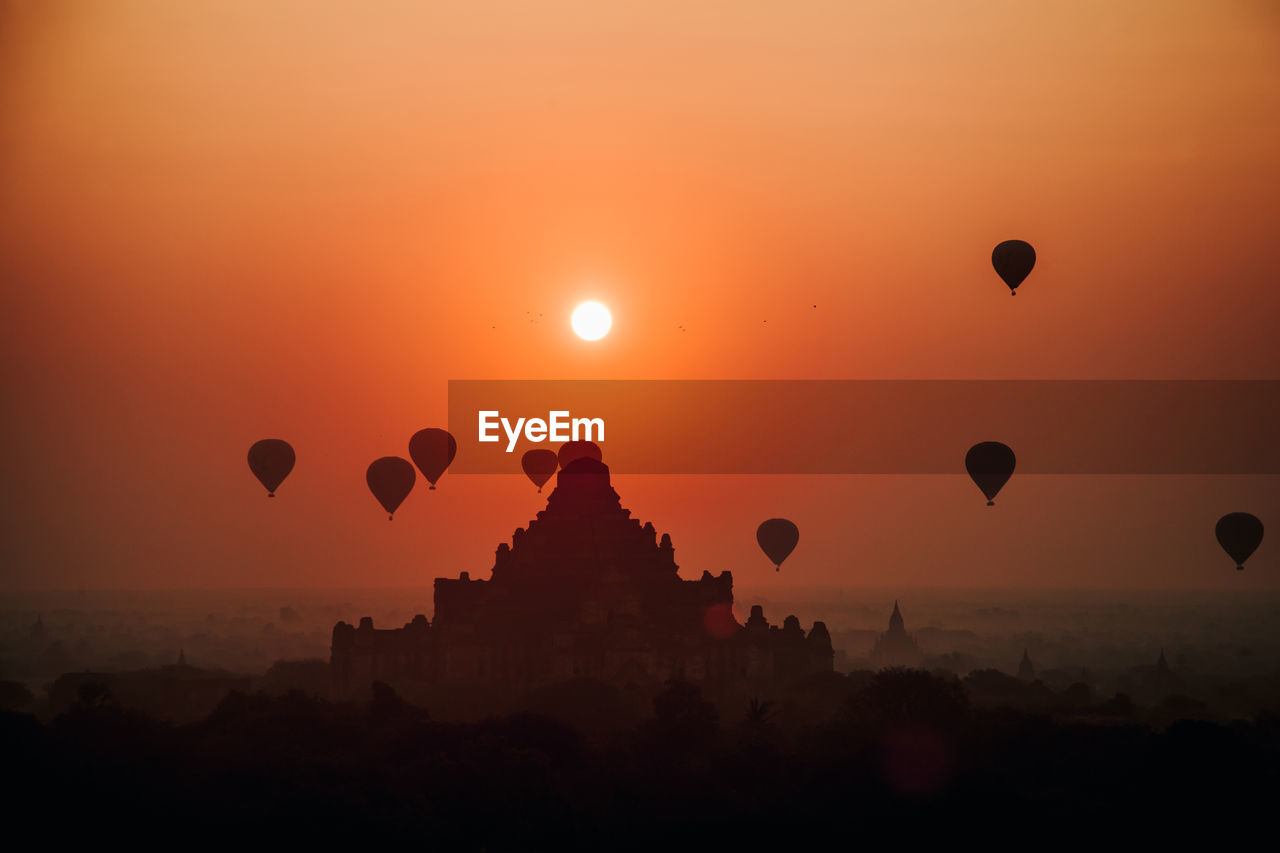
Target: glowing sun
<point>591,321</point>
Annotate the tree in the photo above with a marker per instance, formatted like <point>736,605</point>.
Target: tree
<point>910,696</point>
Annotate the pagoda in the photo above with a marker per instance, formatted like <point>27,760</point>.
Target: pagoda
<point>896,647</point>
<point>584,591</point>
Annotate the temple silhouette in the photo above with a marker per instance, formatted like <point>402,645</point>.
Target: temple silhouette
<point>585,591</point>
<point>896,647</point>
<point>1026,669</point>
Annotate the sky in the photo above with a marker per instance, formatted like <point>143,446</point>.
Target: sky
<point>221,222</point>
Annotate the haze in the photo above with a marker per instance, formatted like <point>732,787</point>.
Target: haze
<point>223,222</point>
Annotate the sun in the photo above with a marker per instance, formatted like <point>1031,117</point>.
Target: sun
<point>591,321</point>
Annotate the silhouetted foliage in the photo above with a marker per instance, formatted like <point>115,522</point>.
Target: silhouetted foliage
<point>904,746</point>
<point>1078,695</point>
<point>1119,705</point>
<point>990,687</point>
<point>899,696</point>
<point>682,719</point>
<point>592,706</point>
<point>93,695</point>
<point>14,695</point>
<point>760,713</point>
<point>309,676</point>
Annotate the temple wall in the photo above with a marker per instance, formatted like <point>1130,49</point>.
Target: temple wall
<point>362,656</point>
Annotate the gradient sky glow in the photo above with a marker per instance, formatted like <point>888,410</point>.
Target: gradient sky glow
<point>227,221</point>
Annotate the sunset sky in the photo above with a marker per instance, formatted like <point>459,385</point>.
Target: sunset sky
<point>225,221</point>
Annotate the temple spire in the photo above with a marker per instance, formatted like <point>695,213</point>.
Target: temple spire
<point>1026,671</point>
<point>896,624</point>
<point>896,647</point>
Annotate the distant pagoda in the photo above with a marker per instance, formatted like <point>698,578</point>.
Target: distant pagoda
<point>1026,671</point>
<point>896,647</point>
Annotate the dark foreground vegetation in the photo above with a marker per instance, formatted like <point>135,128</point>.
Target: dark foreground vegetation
<point>901,753</point>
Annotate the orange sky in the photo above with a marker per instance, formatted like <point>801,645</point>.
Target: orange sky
<point>226,221</point>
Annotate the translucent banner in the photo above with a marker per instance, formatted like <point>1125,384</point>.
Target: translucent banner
<point>872,427</point>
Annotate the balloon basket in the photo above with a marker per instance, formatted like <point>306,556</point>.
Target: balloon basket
<point>991,503</point>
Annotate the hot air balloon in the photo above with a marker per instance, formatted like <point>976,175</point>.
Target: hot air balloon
<point>990,464</point>
<point>432,450</point>
<point>271,460</point>
<point>777,538</point>
<point>1239,534</point>
<point>572,450</point>
<point>1013,260</point>
<point>539,465</point>
<point>390,479</point>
